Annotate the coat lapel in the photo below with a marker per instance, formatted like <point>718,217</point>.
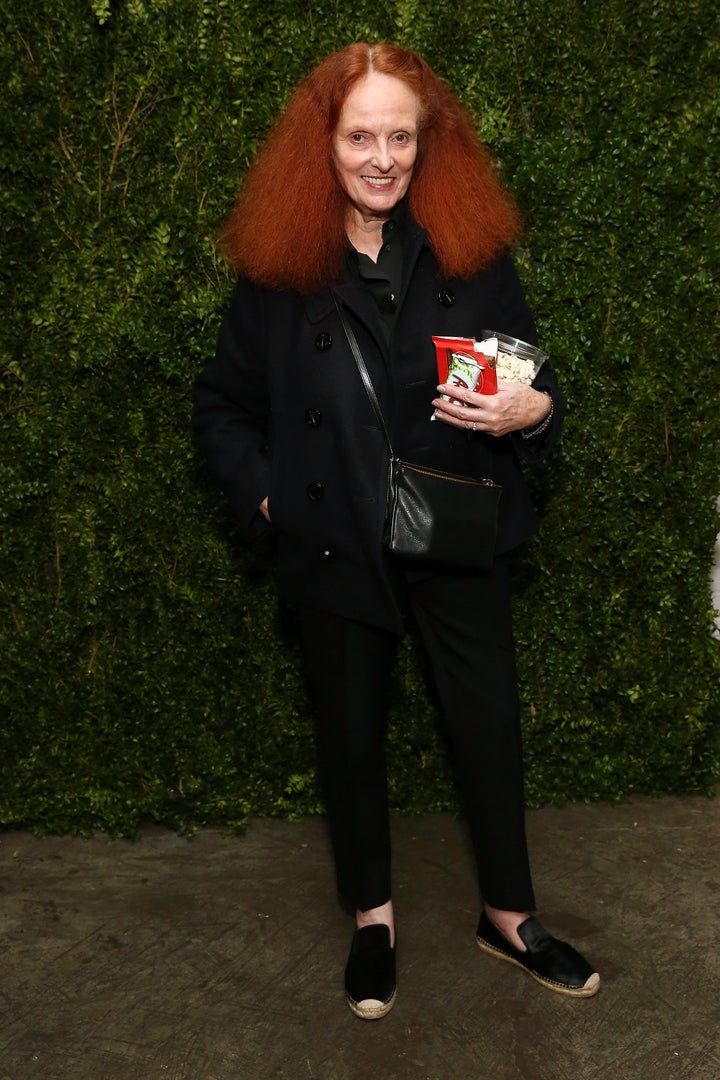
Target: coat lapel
<point>352,291</point>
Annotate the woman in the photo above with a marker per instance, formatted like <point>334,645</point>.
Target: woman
<point>373,188</point>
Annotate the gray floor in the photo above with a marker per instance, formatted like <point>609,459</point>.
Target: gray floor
<point>221,957</point>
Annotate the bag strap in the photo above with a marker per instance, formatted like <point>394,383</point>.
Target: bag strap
<point>364,373</point>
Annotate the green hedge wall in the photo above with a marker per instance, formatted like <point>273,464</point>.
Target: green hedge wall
<point>147,671</point>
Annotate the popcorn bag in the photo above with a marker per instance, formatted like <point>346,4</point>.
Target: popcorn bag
<point>467,363</point>
<point>517,361</point>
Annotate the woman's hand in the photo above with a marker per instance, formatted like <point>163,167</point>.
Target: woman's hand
<point>514,407</point>
<point>263,508</point>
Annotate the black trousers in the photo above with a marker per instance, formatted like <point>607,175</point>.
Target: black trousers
<point>465,623</point>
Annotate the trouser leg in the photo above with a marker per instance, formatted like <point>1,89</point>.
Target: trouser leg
<point>465,622</point>
<point>348,667</point>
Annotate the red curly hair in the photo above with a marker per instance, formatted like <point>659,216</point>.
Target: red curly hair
<point>287,228</point>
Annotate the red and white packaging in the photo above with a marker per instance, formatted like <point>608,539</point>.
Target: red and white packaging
<point>467,363</point>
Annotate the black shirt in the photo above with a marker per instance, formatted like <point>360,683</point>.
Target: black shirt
<point>384,277</point>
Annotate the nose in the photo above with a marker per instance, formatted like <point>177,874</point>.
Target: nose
<point>383,159</point>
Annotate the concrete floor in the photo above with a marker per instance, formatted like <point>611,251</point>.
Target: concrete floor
<point>221,957</point>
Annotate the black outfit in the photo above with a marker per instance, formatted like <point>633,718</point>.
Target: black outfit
<point>281,412</point>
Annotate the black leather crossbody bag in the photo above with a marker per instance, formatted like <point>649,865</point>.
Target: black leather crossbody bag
<point>432,515</point>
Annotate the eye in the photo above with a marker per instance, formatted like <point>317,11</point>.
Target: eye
<point>357,138</point>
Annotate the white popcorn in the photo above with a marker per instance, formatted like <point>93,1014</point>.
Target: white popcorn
<point>514,368</point>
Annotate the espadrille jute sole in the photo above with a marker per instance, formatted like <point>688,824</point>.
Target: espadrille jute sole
<point>370,1008</point>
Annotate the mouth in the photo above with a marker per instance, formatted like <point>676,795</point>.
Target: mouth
<point>379,181</point>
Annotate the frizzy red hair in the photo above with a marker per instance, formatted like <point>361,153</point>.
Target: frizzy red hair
<point>287,228</point>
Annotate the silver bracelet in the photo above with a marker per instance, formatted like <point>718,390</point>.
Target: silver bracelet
<point>545,423</point>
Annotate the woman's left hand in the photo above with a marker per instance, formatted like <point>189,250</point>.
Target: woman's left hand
<point>513,407</point>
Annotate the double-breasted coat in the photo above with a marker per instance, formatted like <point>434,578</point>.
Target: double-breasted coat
<point>281,412</point>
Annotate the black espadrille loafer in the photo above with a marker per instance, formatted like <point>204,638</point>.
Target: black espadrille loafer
<point>552,962</point>
<point>370,972</point>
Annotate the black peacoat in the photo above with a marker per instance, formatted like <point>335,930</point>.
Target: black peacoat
<point>281,412</point>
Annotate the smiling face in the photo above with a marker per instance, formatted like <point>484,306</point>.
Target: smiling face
<point>375,145</point>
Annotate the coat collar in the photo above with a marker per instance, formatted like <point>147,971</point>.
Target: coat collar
<point>352,290</point>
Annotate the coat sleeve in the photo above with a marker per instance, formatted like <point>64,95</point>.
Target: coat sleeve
<point>515,318</point>
<point>231,409</point>
<point>537,447</point>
